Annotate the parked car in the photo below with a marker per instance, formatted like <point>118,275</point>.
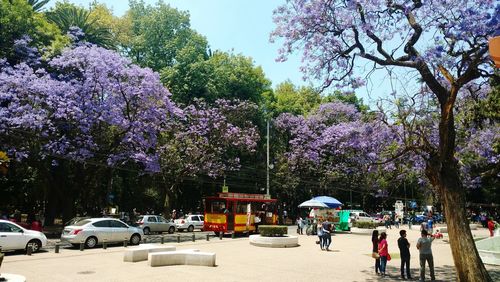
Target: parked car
<point>360,216</point>
<point>190,222</point>
<point>75,220</point>
<point>14,237</point>
<point>94,231</point>
<point>155,223</point>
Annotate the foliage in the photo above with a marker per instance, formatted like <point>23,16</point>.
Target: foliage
<point>287,98</point>
<point>17,19</point>
<point>365,224</point>
<point>208,140</point>
<point>221,76</point>
<point>272,230</point>
<point>92,105</point>
<point>157,34</point>
<point>38,5</point>
<point>66,16</point>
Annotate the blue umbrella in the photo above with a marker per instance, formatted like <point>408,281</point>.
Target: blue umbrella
<point>329,201</point>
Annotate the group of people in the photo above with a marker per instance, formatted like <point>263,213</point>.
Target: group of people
<point>380,249</point>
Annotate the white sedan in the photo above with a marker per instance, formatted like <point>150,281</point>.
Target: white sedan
<point>94,231</point>
<point>14,237</point>
<point>190,222</point>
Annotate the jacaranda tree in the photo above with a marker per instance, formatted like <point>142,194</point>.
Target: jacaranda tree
<point>207,140</point>
<point>87,105</point>
<point>334,146</point>
<point>444,42</point>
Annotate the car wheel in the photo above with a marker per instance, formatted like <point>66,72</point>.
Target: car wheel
<point>171,230</point>
<point>35,245</point>
<point>91,242</point>
<point>190,228</point>
<point>135,239</point>
<point>147,231</point>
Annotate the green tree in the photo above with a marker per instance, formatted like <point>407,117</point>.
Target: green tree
<point>221,76</point>
<point>66,15</point>
<point>156,34</point>
<point>287,98</point>
<point>18,18</point>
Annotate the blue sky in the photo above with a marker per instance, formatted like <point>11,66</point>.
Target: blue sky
<point>243,27</point>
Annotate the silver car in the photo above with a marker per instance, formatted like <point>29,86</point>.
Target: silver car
<point>15,237</point>
<point>190,222</point>
<point>155,223</point>
<point>94,231</point>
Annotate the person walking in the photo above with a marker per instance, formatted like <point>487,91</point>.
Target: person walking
<point>319,229</point>
<point>404,253</point>
<point>375,253</point>
<point>327,236</point>
<point>387,221</point>
<point>383,251</point>
<point>300,225</point>
<point>430,223</point>
<point>424,245</point>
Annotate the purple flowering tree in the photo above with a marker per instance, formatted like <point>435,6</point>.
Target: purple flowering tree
<point>444,42</point>
<point>334,146</point>
<point>92,104</point>
<point>206,140</point>
<point>88,105</point>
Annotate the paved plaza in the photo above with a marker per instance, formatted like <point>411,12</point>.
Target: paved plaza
<point>237,260</point>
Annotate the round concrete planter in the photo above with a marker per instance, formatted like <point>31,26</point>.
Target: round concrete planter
<point>13,277</point>
<point>442,229</point>
<point>367,231</point>
<point>473,226</point>
<point>286,241</point>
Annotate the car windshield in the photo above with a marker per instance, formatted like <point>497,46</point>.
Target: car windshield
<point>81,222</point>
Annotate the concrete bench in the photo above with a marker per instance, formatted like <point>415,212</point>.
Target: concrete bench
<point>141,252</point>
<point>181,257</point>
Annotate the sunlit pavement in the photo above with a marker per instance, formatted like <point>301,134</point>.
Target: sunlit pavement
<point>237,260</point>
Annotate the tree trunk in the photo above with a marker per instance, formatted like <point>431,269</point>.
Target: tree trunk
<point>442,171</point>
<point>468,264</point>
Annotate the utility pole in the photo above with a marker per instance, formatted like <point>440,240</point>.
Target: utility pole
<point>350,192</point>
<point>267,166</point>
<point>406,202</point>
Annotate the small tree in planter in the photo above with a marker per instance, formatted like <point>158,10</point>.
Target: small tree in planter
<point>365,225</point>
<point>273,230</point>
<point>273,236</point>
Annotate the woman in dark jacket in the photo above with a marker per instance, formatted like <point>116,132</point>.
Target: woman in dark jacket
<point>375,250</point>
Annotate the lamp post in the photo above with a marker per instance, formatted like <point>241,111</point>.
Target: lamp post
<point>268,165</point>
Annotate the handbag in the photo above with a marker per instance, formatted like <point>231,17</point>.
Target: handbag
<point>375,255</point>
<point>388,257</point>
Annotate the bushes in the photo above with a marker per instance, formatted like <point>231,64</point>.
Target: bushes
<point>272,230</point>
<point>365,224</point>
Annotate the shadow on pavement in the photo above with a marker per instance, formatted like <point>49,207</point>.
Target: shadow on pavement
<point>443,273</point>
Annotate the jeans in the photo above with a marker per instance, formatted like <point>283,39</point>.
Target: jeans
<point>321,241</point>
<point>383,263</point>
<point>377,265</point>
<point>327,240</point>
<point>405,261</point>
<point>430,261</point>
